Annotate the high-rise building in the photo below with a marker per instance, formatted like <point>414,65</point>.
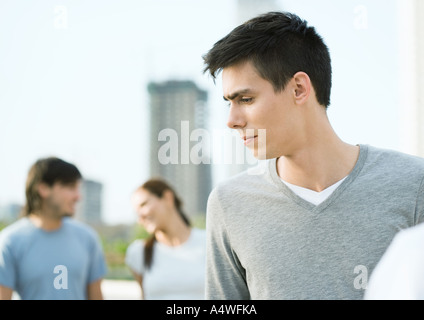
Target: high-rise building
<point>89,208</point>
<point>178,152</point>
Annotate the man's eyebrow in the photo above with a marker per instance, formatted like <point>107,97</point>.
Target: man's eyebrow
<point>236,94</point>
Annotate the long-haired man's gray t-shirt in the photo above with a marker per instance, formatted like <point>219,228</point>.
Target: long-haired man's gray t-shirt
<point>265,242</point>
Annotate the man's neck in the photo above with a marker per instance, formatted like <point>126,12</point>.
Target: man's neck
<point>319,165</point>
<point>44,222</point>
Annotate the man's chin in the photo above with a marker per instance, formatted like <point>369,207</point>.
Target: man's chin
<point>261,155</point>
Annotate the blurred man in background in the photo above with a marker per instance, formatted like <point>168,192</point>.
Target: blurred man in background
<point>46,254</point>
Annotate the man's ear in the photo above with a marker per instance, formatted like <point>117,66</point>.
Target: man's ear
<point>302,87</point>
<point>43,190</point>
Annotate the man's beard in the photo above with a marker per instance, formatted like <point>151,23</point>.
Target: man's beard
<point>58,212</point>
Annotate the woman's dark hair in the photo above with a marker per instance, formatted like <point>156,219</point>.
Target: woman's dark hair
<point>279,44</point>
<point>49,170</point>
<point>157,187</point>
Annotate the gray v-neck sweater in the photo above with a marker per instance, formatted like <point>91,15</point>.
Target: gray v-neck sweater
<point>265,242</point>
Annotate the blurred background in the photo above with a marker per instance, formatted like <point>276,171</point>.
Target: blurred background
<point>117,88</point>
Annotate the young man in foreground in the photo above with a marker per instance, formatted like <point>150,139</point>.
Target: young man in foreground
<point>315,223</point>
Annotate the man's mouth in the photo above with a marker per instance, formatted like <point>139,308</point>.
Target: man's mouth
<point>248,139</point>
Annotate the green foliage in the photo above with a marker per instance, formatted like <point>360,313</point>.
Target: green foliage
<point>199,221</point>
<point>115,250</point>
<point>139,233</point>
<point>117,246</point>
<point>3,225</point>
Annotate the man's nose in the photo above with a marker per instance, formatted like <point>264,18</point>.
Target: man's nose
<point>236,118</point>
<point>77,195</point>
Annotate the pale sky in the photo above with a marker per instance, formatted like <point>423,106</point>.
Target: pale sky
<point>76,88</point>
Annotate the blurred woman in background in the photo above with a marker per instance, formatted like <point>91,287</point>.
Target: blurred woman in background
<point>170,264</point>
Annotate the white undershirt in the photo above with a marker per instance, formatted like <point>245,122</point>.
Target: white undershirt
<point>312,196</point>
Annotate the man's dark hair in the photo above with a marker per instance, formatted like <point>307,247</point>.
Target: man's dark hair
<point>279,44</point>
<point>49,170</point>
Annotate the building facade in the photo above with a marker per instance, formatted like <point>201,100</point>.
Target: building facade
<point>89,208</point>
<point>179,152</point>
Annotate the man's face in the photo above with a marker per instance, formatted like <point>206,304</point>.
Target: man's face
<point>61,199</point>
<point>254,105</point>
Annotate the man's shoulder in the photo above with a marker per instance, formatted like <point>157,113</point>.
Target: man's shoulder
<point>16,228</point>
<point>395,156</point>
<point>395,164</point>
<point>245,184</point>
<point>255,174</point>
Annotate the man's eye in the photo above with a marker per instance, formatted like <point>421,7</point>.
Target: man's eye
<point>246,100</point>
